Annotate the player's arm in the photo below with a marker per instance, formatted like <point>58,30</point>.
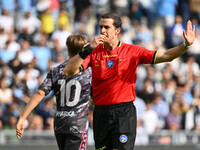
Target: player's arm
<point>171,54</point>
<point>73,65</point>
<point>34,101</point>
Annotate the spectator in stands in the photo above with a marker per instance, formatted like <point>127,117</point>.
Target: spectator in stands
<point>146,93</point>
<point>25,54</point>
<point>15,64</point>
<point>47,110</point>
<point>63,19</point>
<point>161,108</point>
<point>24,6</point>
<point>175,36</point>
<point>60,58</point>
<point>184,10</point>
<point>13,45</point>
<point>168,90</point>
<point>135,11</point>
<point>98,8</point>
<point>10,110</point>
<point>150,119</point>
<point>29,75</point>
<point>29,22</point>
<point>166,12</point>
<point>142,137</point>
<point>7,74</point>
<point>126,35</point>
<point>49,123</point>
<point>12,121</point>
<point>8,5</point>
<point>42,53</point>
<point>140,107</point>
<point>119,7</point>
<point>21,92</point>
<point>25,35</point>
<point>173,119</point>
<point>152,74</point>
<point>149,10</point>
<point>188,118</point>
<point>196,103</point>
<point>82,11</point>
<point>144,35</point>
<point>59,36</point>
<point>54,6</point>
<point>35,122</point>
<point>3,38</point>
<point>6,96</point>
<point>48,25</point>
<point>6,55</point>
<point>6,21</point>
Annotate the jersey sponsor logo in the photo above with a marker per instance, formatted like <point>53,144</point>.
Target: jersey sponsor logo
<point>110,63</point>
<point>123,138</point>
<point>65,114</point>
<point>107,56</point>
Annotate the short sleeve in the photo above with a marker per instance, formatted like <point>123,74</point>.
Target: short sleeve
<point>46,85</point>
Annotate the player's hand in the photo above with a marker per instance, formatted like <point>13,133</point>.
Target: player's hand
<point>20,128</point>
<point>97,40</point>
<point>189,34</point>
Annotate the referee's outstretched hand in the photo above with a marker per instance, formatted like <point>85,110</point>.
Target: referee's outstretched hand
<point>189,34</point>
<point>20,128</point>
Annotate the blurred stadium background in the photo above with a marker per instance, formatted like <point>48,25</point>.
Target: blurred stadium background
<point>32,41</point>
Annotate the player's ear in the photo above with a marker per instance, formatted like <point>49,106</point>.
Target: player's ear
<point>117,31</point>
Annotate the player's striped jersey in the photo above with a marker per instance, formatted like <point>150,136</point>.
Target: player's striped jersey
<point>72,98</point>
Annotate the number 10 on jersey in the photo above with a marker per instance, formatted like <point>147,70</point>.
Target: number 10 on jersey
<point>65,90</point>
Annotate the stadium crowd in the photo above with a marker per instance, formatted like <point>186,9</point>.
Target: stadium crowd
<point>32,41</point>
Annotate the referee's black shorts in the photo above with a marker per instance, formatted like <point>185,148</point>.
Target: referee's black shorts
<point>115,126</point>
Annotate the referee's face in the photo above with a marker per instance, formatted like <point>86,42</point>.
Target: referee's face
<point>108,29</point>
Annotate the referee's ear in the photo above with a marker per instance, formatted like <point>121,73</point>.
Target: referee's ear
<point>117,31</point>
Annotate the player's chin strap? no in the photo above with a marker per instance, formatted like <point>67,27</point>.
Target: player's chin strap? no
<point>85,51</point>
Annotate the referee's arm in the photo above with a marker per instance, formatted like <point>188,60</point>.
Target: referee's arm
<point>171,54</point>
<point>73,66</point>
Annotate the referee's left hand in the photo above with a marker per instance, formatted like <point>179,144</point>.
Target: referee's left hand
<point>189,34</point>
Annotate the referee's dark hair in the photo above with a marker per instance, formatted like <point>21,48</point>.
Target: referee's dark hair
<point>117,22</point>
<point>75,43</point>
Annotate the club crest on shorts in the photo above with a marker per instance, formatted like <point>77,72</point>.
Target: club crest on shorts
<point>123,138</point>
<point>110,63</point>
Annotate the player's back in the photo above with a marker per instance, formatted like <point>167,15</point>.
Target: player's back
<point>72,98</point>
